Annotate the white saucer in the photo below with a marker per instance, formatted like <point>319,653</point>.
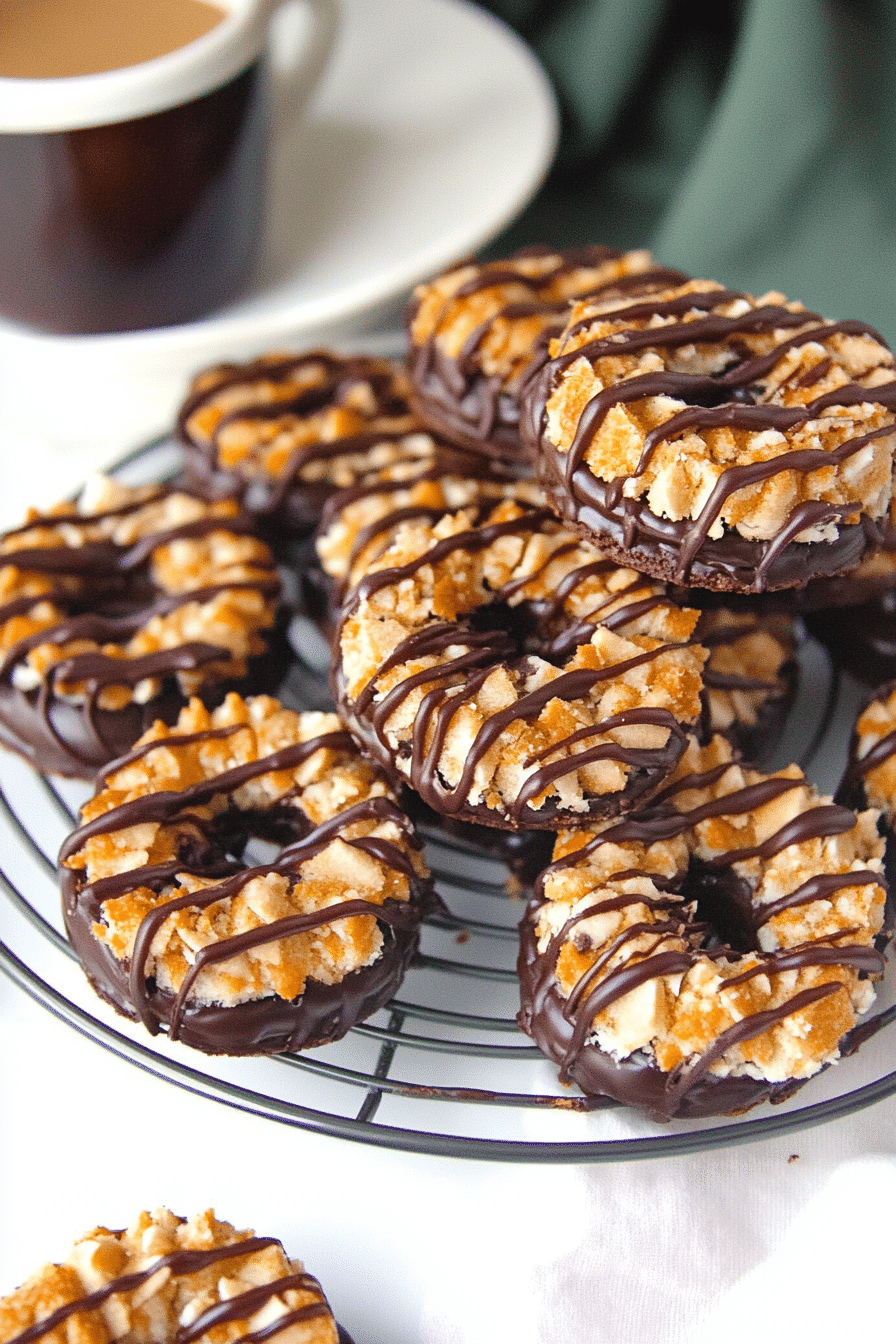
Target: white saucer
<point>433,126</point>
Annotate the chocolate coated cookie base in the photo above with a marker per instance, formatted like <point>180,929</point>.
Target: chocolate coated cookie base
<point>631,534</point>
<point>57,737</point>
<point>525,853</point>
<point>267,1026</point>
<point>485,420</point>
<point>634,1081</point>
<point>60,737</point>
<point>284,511</point>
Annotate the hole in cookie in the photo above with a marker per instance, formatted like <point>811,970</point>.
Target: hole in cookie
<point>527,631</point>
<point>517,622</point>
<point>256,839</point>
<point>723,902</point>
<point>195,850</point>
<point>719,393</point>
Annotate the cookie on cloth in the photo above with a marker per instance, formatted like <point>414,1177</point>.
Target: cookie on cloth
<point>168,1278</point>
<point>715,439</point>
<point>175,922</point>
<point>710,951</point>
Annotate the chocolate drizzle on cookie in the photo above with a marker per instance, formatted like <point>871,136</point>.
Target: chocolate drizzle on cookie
<point>508,632</point>
<point>415,487</point>
<point>704,915</point>
<point>182,1263</point>
<point>619,518</point>
<point>749,679</point>
<point>172,1279</point>
<point>454,393</point>
<point>209,828</point>
<point>260,430</point>
<point>870,774</point>
<point>87,607</point>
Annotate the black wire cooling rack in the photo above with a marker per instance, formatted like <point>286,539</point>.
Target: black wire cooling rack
<point>443,1069</point>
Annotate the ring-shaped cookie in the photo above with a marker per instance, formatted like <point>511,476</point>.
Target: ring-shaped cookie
<point>114,610</point>
<point>477,331</point>
<point>715,439</point>
<point>196,1280</point>
<point>283,431</point>
<point>511,675</point>
<point>750,674</point>
<point>174,926</point>
<point>713,950</point>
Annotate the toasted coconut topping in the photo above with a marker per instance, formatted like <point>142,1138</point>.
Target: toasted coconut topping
<point>164,1278</point>
<point>157,854</point>
<point>308,417</point>
<point>478,330</point>
<point>728,929</point>
<point>101,600</point>
<point>875,752</point>
<point>705,407</point>
<point>486,714</point>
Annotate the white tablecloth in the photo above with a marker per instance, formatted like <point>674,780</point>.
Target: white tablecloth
<point>786,1240</point>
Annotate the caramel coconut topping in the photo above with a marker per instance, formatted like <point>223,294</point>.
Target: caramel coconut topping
<point>479,330</point>
<point>749,676</point>
<point>715,438</point>
<point>747,681</point>
<point>358,523</point>
<point>170,1280</point>
<point>284,430</point>
<point>168,916</point>
<point>205,581</point>
<point>105,601</point>
<point>712,949</point>
<point>873,765</point>
<point>510,674</point>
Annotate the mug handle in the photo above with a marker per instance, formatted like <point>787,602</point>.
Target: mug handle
<point>300,55</point>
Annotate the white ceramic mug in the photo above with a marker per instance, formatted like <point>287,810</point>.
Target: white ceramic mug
<point>132,198</point>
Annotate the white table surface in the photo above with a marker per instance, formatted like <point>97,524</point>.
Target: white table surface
<point>790,1238</point>
<point>798,1229</point>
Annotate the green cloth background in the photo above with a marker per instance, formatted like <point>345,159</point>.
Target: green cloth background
<point>752,143</point>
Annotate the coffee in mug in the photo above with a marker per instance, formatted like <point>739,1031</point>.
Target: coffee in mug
<point>133,138</point>
<point>58,39</point>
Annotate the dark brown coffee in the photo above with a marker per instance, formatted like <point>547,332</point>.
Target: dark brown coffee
<point>49,39</point>
<point>143,223</point>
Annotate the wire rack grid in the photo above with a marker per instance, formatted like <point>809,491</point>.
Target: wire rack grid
<point>443,1069</point>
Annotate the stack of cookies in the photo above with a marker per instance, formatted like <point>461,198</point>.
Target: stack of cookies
<point>594,637</point>
<point>562,556</point>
